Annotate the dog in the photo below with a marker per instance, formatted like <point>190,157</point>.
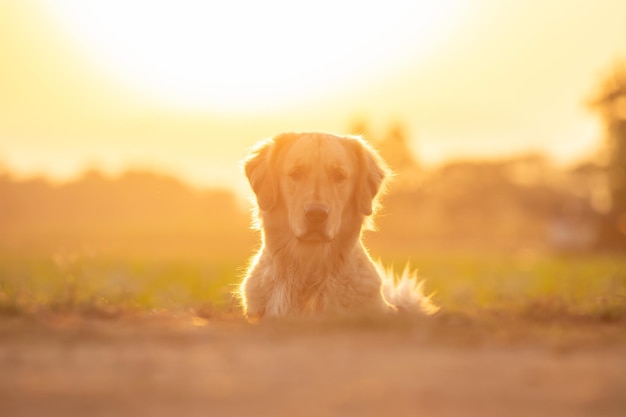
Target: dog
<point>315,195</point>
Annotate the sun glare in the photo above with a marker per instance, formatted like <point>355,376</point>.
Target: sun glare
<point>251,55</point>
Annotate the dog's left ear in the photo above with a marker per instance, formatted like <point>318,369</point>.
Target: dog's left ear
<point>372,174</point>
<point>257,167</point>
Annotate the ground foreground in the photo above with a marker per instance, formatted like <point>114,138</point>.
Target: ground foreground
<point>455,365</point>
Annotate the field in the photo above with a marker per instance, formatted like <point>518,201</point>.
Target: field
<point>516,336</point>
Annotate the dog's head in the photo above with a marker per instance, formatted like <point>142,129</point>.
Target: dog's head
<point>317,180</point>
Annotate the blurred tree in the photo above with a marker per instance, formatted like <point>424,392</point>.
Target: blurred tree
<point>610,102</point>
<point>359,127</point>
<point>137,212</point>
<point>394,148</point>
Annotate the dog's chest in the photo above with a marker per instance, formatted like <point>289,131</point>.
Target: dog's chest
<point>305,294</point>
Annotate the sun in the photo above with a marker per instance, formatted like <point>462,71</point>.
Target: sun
<point>251,55</point>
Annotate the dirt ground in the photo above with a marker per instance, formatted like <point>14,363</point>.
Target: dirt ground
<point>69,365</point>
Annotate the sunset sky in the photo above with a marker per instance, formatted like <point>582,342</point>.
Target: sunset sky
<point>188,86</point>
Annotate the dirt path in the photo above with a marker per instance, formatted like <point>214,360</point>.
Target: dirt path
<point>191,367</point>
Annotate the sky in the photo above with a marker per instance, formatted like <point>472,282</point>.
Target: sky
<point>187,87</point>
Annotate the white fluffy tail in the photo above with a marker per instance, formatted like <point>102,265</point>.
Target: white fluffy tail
<point>405,292</point>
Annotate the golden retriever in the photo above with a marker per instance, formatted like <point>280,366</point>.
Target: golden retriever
<point>315,193</point>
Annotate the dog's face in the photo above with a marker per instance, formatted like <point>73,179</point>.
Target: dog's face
<point>318,180</point>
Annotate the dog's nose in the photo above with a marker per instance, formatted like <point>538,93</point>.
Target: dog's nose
<point>316,212</point>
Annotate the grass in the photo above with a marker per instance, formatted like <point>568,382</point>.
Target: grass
<point>114,286</point>
<point>529,285</point>
<point>541,286</point>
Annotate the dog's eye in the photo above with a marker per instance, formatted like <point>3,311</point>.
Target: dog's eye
<point>295,174</point>
<point>338,175</point>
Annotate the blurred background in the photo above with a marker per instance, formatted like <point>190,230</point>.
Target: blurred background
<point>122,123</point>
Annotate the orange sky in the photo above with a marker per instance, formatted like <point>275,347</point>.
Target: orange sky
<point>110,85</point>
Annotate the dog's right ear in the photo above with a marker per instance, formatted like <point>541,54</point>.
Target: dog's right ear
<point>258,171</point>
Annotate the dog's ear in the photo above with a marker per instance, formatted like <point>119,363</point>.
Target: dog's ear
<point>372,174</point>
<point>258,171</point>
<point>260,167</point>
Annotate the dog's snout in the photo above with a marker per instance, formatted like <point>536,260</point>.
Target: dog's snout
<point>316,212</point>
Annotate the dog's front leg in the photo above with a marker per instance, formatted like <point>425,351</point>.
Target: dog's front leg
<point>254,296</point>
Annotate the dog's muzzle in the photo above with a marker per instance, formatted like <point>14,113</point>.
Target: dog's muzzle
<point>316,215</point>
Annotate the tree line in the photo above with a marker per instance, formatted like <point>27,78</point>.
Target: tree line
<point>523,202</point>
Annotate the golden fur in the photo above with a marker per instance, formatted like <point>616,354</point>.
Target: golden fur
<point>315,193</point>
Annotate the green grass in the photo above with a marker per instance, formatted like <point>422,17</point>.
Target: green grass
<point>113,286</point>
<point>529,285</point>
<point>591,286</point>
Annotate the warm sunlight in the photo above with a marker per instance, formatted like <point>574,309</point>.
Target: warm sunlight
<point>196,196</point>
<point>247,55</point>
<point>186,87</point>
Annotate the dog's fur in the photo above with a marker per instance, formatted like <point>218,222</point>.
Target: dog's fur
<point>315,195</point>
